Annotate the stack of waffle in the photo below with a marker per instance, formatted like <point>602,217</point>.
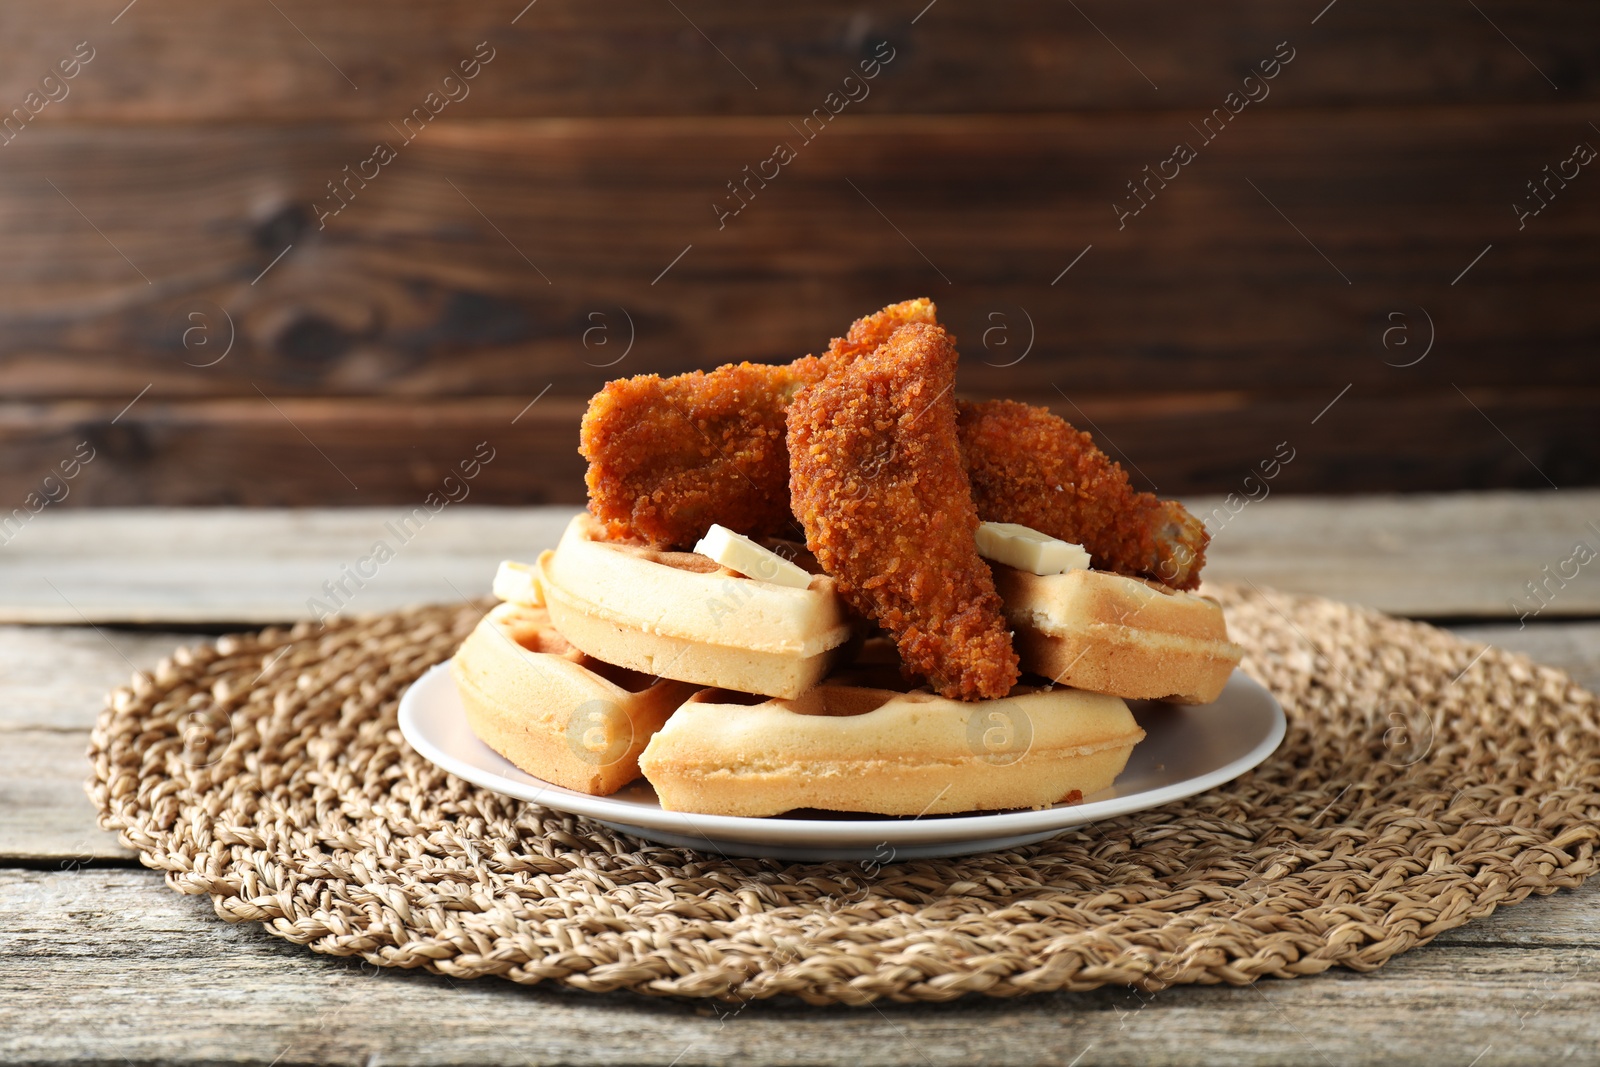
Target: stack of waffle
<point>737,695</point>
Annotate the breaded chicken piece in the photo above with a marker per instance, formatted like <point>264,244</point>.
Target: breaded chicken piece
<point>670,456</point>
<point>876,480</point>
<point>1031,467</point>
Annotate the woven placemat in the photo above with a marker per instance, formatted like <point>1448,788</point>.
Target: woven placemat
<point>1424,782</point>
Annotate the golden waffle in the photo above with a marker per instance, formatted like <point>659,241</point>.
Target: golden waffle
<point>859,742</point>
<point>1124,636</point>
<point>680,615</point>
<point>555,712</point>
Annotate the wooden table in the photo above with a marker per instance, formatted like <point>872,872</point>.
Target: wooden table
<point>103,964</point>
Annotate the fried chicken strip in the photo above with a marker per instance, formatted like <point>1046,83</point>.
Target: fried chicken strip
<point>876,479</point>
<point>1031,467</point>
<point>670,456</point>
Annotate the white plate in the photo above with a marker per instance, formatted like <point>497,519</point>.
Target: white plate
<point>1187,750</point>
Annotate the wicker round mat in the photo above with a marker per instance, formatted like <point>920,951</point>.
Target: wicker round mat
<point>1423,783</point>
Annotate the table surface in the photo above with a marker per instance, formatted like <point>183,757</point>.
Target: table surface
<point>104,964</point>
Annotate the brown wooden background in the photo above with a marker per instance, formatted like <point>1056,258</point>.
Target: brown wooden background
<point>458,285</point>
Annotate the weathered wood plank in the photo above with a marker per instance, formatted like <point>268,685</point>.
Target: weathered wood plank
<point>364,452</point>
<point>187,60</point>
<point>53,683</point>
<point>56,678</point>
<point>239,566</point>
<point>409,294</point>
<point>45,816</point>
<point>1444,555</point>
<point>409,291</point>
<point>108,963</point>
<point>1431,556</point>
<point>286,452</point>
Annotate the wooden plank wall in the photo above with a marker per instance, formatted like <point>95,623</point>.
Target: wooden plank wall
<point>166,222</point>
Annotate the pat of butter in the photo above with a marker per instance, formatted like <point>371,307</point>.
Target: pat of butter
<point>738,553</point>
<point>1029,550</point>
<point>518,583</point>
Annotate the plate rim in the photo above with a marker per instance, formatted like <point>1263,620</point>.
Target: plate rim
<point>820,832</point>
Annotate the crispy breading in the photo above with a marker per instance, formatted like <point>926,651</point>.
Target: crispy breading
<point>876,480</point>
<point>867,333</point>
<point>670,456</point>
<point>1031,467</point>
